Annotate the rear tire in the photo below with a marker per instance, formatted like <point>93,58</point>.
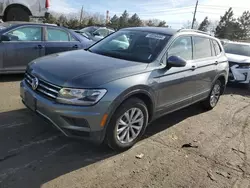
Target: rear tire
<point>17,14</point>
<point>127,125</point>
<point>214,96</point>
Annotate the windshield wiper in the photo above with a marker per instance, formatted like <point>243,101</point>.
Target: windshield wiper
<point>88,50</point>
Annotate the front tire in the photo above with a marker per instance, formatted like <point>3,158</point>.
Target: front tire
<point>214,96</point>
<point>17,14</point>
<point>127,125</point>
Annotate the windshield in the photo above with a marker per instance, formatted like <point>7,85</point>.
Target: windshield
<point>89,30</point>
<point>132,45</point>
<point>238,49</point>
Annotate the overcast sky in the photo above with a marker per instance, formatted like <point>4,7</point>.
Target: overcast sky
<point>174,12</point>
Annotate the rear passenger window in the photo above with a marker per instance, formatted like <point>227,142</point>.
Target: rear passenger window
<point>57,35</point>
<point>202,47</point>
<point>216,47</point>
<point>181,47</point>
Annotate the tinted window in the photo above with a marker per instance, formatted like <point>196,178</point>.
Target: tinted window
<point>202,47</point>
<point>89,30</point>
<point>132,45</point>
<point>57,35</point>
<point>216,47</point>
<point>181,47</point>
<point>238,49</point>
<point>101,32</point>
<point>111,31</point>
<point>26,34</point>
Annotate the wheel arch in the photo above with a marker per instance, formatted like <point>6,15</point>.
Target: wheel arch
<point>223,79</point>
<point>16,5</point>
<point>146,94</point>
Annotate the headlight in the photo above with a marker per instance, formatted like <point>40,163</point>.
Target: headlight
<point>80,96</point>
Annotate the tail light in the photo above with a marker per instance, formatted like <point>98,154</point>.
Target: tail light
<point>47,4</point>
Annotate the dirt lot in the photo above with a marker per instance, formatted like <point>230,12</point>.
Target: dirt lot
<point>34,154</point>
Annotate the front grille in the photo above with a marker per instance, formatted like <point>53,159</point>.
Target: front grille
<point>44,88</point>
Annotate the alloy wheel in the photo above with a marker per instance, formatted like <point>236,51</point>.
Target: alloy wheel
<point>129,125</point>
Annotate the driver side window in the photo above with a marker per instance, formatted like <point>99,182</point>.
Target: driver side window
<point>181,47</point>
<point>26,34</point>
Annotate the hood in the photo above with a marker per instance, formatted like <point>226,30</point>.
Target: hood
<point>82,69</point>
<point>238,58</point>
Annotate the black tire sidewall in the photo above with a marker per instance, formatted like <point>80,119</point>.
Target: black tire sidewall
<point>216,83</point>
<point>111,130</point>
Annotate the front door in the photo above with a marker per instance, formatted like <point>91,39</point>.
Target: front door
<point>60,40</point>
<point>26,45</point>
<point>177,84</point>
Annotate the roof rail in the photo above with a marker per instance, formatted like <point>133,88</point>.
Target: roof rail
<point>193,30</point>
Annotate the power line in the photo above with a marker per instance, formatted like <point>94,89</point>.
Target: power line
<point>218,6</point>
<point>214,13</point>
<point>164,13</point>
<point>152,4</point>
<point>157,10</point>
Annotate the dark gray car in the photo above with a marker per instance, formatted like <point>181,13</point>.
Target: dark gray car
<point>22,42</point>
<point>113,90</point>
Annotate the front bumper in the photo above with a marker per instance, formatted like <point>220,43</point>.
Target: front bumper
<point>240,75</point>
<point>72,121</point>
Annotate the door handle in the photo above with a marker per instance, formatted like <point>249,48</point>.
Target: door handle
<point>75,46</point>
<point>39,47</point>
<point>216,63</point>
<point>193,67</point>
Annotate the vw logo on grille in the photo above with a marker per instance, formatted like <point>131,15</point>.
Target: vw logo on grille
<point>34,83</point>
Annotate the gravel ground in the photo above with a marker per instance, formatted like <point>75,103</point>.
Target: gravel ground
<point>34,154</point>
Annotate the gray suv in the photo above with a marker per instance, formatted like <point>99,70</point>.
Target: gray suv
<point>111,91</point>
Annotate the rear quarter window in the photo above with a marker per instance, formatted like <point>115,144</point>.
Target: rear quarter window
<point>217,47</point>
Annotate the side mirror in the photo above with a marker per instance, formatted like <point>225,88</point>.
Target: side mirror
<point>9,38</point>
<point>176,61</point>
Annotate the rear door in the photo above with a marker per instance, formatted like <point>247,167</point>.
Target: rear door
<point>26,46</point>
<point>206,70</point>
<point>60,40</point>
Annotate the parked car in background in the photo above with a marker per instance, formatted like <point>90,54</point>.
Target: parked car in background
<point>22,10</point>
<point>238,54</point>
<point>22,42</point>
<point>111,91</point>
<point>95,33</point>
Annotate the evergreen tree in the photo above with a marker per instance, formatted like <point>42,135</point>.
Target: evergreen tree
<point>228,27</point>
<point>162,24</point>
<point>244,22</point>
<point>123,20</point>
<point>134,21</point>
<point>204,25</point>
<point>114,22</point>
<point>91,22</point>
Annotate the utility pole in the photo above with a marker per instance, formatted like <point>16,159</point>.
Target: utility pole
<point>194,14</point>
<point>81,15</point>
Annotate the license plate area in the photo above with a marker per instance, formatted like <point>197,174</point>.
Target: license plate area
<point>30,101</point>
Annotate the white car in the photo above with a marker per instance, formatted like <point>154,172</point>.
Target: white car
<point>22,10</point>
<point>238,55</point>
